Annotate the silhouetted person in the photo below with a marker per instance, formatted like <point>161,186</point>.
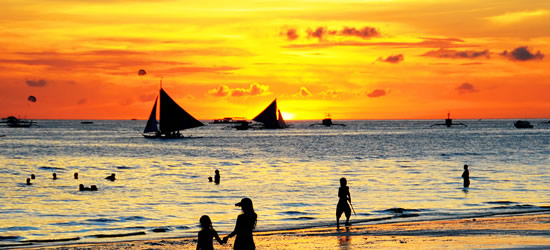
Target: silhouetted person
<point>54,176</point>
<point>76,175</point>
<point>93,188</point>
<point>343,206</point>
<point>210,179</point>
<point>29,181</point>
<point>217,177</point>
<point>82,188</point>
<point>111,177</point>
<point>206,234</point>
<point>466,176</point>
<point>32,176</point>
<point>246,222</point>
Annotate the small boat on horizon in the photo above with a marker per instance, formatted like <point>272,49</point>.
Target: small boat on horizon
<point>229,120</point>
<point>522,124</point>
<point>449,122</point>
<point>14,122</point>
<point>327,122</point>
<point>86,122</point>
<point>172,119</point>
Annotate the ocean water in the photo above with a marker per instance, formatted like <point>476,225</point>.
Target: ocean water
<point>396,171</point>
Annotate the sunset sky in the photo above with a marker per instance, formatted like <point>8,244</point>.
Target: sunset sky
<point>379,59</point>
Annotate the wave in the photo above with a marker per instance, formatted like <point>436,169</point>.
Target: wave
<point>51,168</point>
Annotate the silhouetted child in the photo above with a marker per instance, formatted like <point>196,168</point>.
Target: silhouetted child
<point>111,177</point>
<point>210,179</point>
<point>93,188</point>
<point>29,181</point>
<point>206,234</point>
<point>33,176</point>
<point>217,177</point>
<point>54,176</point>
<point>466,176</point>
<point>246,222</point>
<point>343,206</point>
<point>76,175</point>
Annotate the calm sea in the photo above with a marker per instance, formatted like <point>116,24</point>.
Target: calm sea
<point>396,170</point>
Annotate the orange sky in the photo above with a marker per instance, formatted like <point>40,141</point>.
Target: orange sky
<point>380,59</point>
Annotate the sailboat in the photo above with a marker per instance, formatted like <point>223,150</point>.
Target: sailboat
<point>271,117</point>
<point>172,119</point>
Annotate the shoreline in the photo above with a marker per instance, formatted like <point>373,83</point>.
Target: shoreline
<point>499,231</point>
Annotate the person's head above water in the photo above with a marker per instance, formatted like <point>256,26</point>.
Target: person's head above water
<point>246,205</point>
<point>205,221</point>
<point>343,182</point>
<point>76,175</point>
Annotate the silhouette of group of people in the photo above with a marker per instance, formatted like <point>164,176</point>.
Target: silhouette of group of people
<point>246,223</point>
<point>81,187</point>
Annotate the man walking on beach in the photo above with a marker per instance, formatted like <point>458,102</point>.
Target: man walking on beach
<point>343,206</point>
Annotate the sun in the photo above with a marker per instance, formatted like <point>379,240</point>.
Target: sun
<point>287,116</point>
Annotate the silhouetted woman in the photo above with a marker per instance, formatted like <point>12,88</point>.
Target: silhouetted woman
<point>246,222</point>
<point>466,176</point>
<point>343,206</point>
<point>206,234</point>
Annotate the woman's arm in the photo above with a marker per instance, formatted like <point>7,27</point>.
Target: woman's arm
<point>218,237</point>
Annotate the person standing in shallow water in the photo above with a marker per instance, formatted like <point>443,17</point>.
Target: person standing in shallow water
<point>206,234</point>
<point>343,206</point>
<point>217,177</point>
<point>466,176</point>
<point>246,222</point>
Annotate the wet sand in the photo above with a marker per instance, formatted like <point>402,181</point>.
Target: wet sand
<point>517,231</point>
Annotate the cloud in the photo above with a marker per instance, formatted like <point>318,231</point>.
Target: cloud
<point>221,91</point>
<point>377,93</point>
<point>147,97</point>
<point>522,54</point>
<point>365,33</point>
<point>392,58</point>
<point>425,43</point>
<point>304,92</point>
<point>317,33</point>
<point>291,34</point>
<point>456,54</point>
<point>331,94</point>
<point>320,32</point>
<point>39,83</point>
<point>466,88</point>
<point>255,89</point>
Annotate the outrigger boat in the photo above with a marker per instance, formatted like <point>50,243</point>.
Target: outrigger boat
<point>172,119</point>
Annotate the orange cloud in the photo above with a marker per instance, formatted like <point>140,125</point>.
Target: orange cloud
<point>255,89</point>
<point>377,93</point>
<point>392,58</point>
<point>466,88</point>
<point>522,54</point>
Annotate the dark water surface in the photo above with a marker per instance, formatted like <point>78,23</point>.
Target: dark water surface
<point>396,170</point>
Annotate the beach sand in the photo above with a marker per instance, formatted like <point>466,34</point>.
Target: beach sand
<point>511,231</point>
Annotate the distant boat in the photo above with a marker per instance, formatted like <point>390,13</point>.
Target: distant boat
<point>449,122</point>
<point>522,124</point>
<point>271,117</point>
<point>13,122</point>
<point>172,119</point>
<point>85,122</point>
<point>327,122</point>
<point>229,120</point>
